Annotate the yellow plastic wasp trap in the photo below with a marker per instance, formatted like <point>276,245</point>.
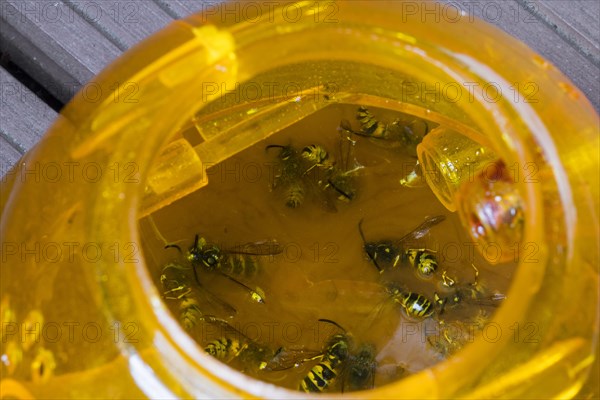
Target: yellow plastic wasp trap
<point>242,207</point>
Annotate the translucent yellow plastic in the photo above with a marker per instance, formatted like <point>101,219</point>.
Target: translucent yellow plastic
<point>70,247</point>
<point>450,159</point>
<point>469,177</point>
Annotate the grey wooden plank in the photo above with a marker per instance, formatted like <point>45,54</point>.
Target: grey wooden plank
<point>8,156</point>
<point>36,63</point>
<point>53,44</point>
<point>174,8</point>
<point>23,116</point>
<point>124,23</point>
<point>564,32</point>
<point>576,21</point>
<point>183,8</point>
<point>518,20</point>
<point>64,73</point>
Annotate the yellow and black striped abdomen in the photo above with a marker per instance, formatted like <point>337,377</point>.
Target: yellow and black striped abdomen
<point>320,377</point>
<point>240,265</point>
<point>294,195</point>
<point>370,126</point>
<point>224,348</point>
<point>416,305</point>
<point>323,375</point>
<point>189,312</point>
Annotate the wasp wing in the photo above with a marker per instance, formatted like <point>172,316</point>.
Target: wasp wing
<point>287,358</point>
<point>486,301</point>
<point>342,176</point>
<point>177,284</point>
<point>269,247</point>
<point>217,303</point>
<point>422,229</point>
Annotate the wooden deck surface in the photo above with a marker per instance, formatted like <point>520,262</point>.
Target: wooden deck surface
<point>49,49</point>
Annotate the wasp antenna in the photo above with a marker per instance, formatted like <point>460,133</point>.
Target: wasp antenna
<point>371,257</point>
<point>274,146</point>
<point>196,276</point>
<point>173,246</point>
<point>337,189</point>
<point>256,296</point>
<point>196,240</point>
<point>332,323</point>
<point>362,235</point>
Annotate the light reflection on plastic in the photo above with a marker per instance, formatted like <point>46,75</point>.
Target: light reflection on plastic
<point>147,381</point>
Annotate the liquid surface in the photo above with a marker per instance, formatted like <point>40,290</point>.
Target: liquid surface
<point>314,275</point>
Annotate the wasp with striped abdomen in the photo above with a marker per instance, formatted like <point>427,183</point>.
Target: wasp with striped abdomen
<point>416,306</point>
<point>293,170</point>
<point>405,132</point>
<point>176,285</point>
<point>391,253</point>
<point>242,261</point>
<point>237,346</point>
<point>473,293</point>
<point>342,364</point>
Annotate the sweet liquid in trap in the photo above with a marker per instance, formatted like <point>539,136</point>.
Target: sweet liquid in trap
<point>315,268</point>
